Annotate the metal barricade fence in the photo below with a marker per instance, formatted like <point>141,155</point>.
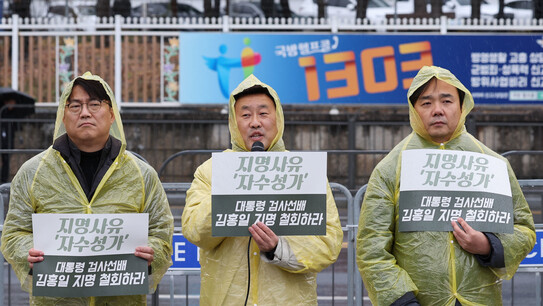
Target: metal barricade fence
<point>4,201</point>
<point>351,177</point>
<point>348,198</point>
<point>176,193</point>
<point>2,255</point>
<point>533,190</point>
<point>536,270</point>
<point>355,215</point>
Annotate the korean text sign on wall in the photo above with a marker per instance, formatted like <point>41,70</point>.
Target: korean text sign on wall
<point>358,68</point>
<point>90,254</point>
<point>284,190</point>
<point>439,186</point>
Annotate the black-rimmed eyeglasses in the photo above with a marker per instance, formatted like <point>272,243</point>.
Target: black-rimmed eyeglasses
<point>93,106</point>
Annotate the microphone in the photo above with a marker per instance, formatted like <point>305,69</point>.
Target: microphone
<point>258,147</point>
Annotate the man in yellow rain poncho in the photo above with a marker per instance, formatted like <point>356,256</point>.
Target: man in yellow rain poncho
<point>283,270</point>
<point>86,171</point>
<point>462,267</point>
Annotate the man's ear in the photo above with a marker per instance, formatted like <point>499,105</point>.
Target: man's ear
<point>112,114</point>
<point>64,117</point>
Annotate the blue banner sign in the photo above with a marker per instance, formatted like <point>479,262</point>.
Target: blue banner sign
<point>535,258</point>
<point>185,254</point>
<point>358,68</point>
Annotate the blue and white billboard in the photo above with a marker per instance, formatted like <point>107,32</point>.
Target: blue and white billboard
<point>358,68</point>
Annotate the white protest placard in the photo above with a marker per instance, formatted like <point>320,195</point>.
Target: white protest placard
<point>89,234</point>
<point>90,254</point>
<point>453,170</point>
<point>284,190</point>
<point>268,173</point>
<point>439,186</point>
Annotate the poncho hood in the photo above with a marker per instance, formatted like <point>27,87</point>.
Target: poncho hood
<point>426,74</point>
<point>237,140</point>
<point>116,129</point>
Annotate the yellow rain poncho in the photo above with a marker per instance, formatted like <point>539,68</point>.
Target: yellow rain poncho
<point>47,184</point>
<point>224,279</point>
<point>431,264</point>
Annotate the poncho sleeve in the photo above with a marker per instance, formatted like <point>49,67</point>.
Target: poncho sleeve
<point>517,245</point>
<point>384,279</point>
<point>160,227</point>
<point>17,236</point>
<point>315,253</point>
<point>196,218</point>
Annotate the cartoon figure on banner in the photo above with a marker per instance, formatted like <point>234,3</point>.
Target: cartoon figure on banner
<point>249,58</point>
<point>222,64</point>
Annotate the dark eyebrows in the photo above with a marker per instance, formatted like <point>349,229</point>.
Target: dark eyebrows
<point>423,98</point>
<point>70,100</point>
<point>259,107</point>
<point>441,96</point>
<point>446,95</point>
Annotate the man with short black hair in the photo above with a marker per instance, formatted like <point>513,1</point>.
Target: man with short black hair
<point>87,170</point>
<point>459,267</point>
<point>264,269</point>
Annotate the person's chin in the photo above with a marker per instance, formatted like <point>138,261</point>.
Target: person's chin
<point>438,129</point>
<point>438,137</point>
